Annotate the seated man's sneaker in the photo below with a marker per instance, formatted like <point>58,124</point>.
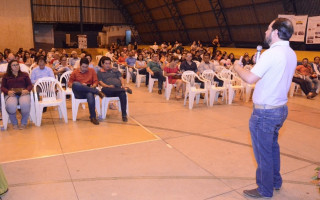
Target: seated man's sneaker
<point>94,121</point>
<point>101,94</point>
<point>129,90</point>
<point>124,118</point>
<point>254,194</point>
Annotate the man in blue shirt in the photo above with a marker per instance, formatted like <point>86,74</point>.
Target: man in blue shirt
<point>41,71</point>
<point>130,62</point>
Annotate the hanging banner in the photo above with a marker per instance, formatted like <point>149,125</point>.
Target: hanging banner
<point>313,30</point>
<point>82,41</point>
<point>299,26</point>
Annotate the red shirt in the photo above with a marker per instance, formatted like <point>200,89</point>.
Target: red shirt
<point>89,77</point>
<point>21,81</point>
<point>306,71</point>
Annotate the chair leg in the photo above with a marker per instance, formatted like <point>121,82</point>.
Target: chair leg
<point>212,96</point>
<point>230,97</point>
<point>191,100</point>
<point>39,115</point>
<point>75,111</point>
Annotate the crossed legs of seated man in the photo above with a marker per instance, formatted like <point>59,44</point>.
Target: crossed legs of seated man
<point>84,92</point>
<point>121,93</point>
<point>304,85</point>
<point>313,83</point>
<point>161,79</point>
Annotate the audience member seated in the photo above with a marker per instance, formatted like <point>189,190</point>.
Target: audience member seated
<point>246,60</point>
<point>155,69</point>
<point>3,67</point>
<point>316,66</point>
<point>27,59</point>
<point>16,86</point>
<point>141,65</point>
<point>62,67</point>
<point>232,58</point>
<point>305,77</point>
<point>113,84</point>
<point>197,57</point>
<point>74,58</point>
<point>77,63</point>
<point>225,61</point>
<point>83,82</point>
<point>207,65</point>
<point>188,64</point>
<point>41,71</point>
<point>130,62</point>
<point>154,47</point>
<point>2,60</point>
<point>174,75</point>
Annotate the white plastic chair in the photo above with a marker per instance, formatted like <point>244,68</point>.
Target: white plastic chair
<point>76,102</point>
<point>168,87</point>
<point>211,85</point>
<point>151,82</point>
<point>5,115</point>
<point>191,91</point>
<point>48,87</point>
<point>139,77</point>
<point>105,105</point>
<point>236,84</point>
<point>249,88</point>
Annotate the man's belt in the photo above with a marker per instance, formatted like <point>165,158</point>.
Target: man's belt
<point>259,106</point>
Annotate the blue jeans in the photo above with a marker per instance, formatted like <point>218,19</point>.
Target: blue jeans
<point>264,126</point>
<point>84,92</point>
<point>11,107</point>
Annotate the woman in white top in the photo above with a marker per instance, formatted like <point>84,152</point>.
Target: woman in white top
<point>141,65</point>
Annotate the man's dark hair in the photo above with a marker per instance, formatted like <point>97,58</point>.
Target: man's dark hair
<point>316,57</point>
<point>206,55</point>
<point>41,58</point>
<point>284,27</point>
<point>102,59</point>
<point>84,61</point>
<point>305,59</point>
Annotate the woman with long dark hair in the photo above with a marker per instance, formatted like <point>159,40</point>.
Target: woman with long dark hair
<point>16,85</point>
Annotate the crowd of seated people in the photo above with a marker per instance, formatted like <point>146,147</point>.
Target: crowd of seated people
<point>160,61</point>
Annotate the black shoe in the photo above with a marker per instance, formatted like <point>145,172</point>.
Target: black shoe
<point>129,90</point>
<point>254,194</point>
<point>159,91</point>
<point>124,118</point>
<point>277,189</point>
<point>44,110</point>
<point>101,94</point>
<point>94,121</point>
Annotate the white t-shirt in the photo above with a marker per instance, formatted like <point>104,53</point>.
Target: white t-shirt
<point>275,67</point>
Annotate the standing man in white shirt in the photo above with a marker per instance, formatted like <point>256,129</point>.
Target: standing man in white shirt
<point>272,74</point>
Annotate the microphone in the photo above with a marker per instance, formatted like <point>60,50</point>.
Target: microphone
<point>259,48</point>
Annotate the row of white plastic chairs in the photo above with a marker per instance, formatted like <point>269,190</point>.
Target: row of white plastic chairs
<point>54,95</point>
<point>231,83</point>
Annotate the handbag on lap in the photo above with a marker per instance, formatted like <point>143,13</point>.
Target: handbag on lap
<point>3,183</point>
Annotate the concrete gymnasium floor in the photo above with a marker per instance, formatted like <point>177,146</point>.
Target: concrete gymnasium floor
<point>165,151</point>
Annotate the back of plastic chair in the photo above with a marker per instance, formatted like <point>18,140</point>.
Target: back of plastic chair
<point>47,87</point>
<point>66,75</point>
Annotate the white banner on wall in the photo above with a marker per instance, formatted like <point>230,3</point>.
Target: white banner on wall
<point>82,41</point>
<point>313,30</point>
<point>299,26</point>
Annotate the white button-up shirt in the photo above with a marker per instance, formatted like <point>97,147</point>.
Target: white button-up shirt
<point>275,67</point>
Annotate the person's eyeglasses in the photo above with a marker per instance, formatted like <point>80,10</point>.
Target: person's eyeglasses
<point>15,65</point>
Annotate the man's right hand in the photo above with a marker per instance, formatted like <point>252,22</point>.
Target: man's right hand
<point>151,73</point>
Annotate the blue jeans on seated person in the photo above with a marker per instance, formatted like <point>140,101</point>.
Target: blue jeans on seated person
<point>264,127</point>
<point>11,107</point>
<point>84,92</point>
